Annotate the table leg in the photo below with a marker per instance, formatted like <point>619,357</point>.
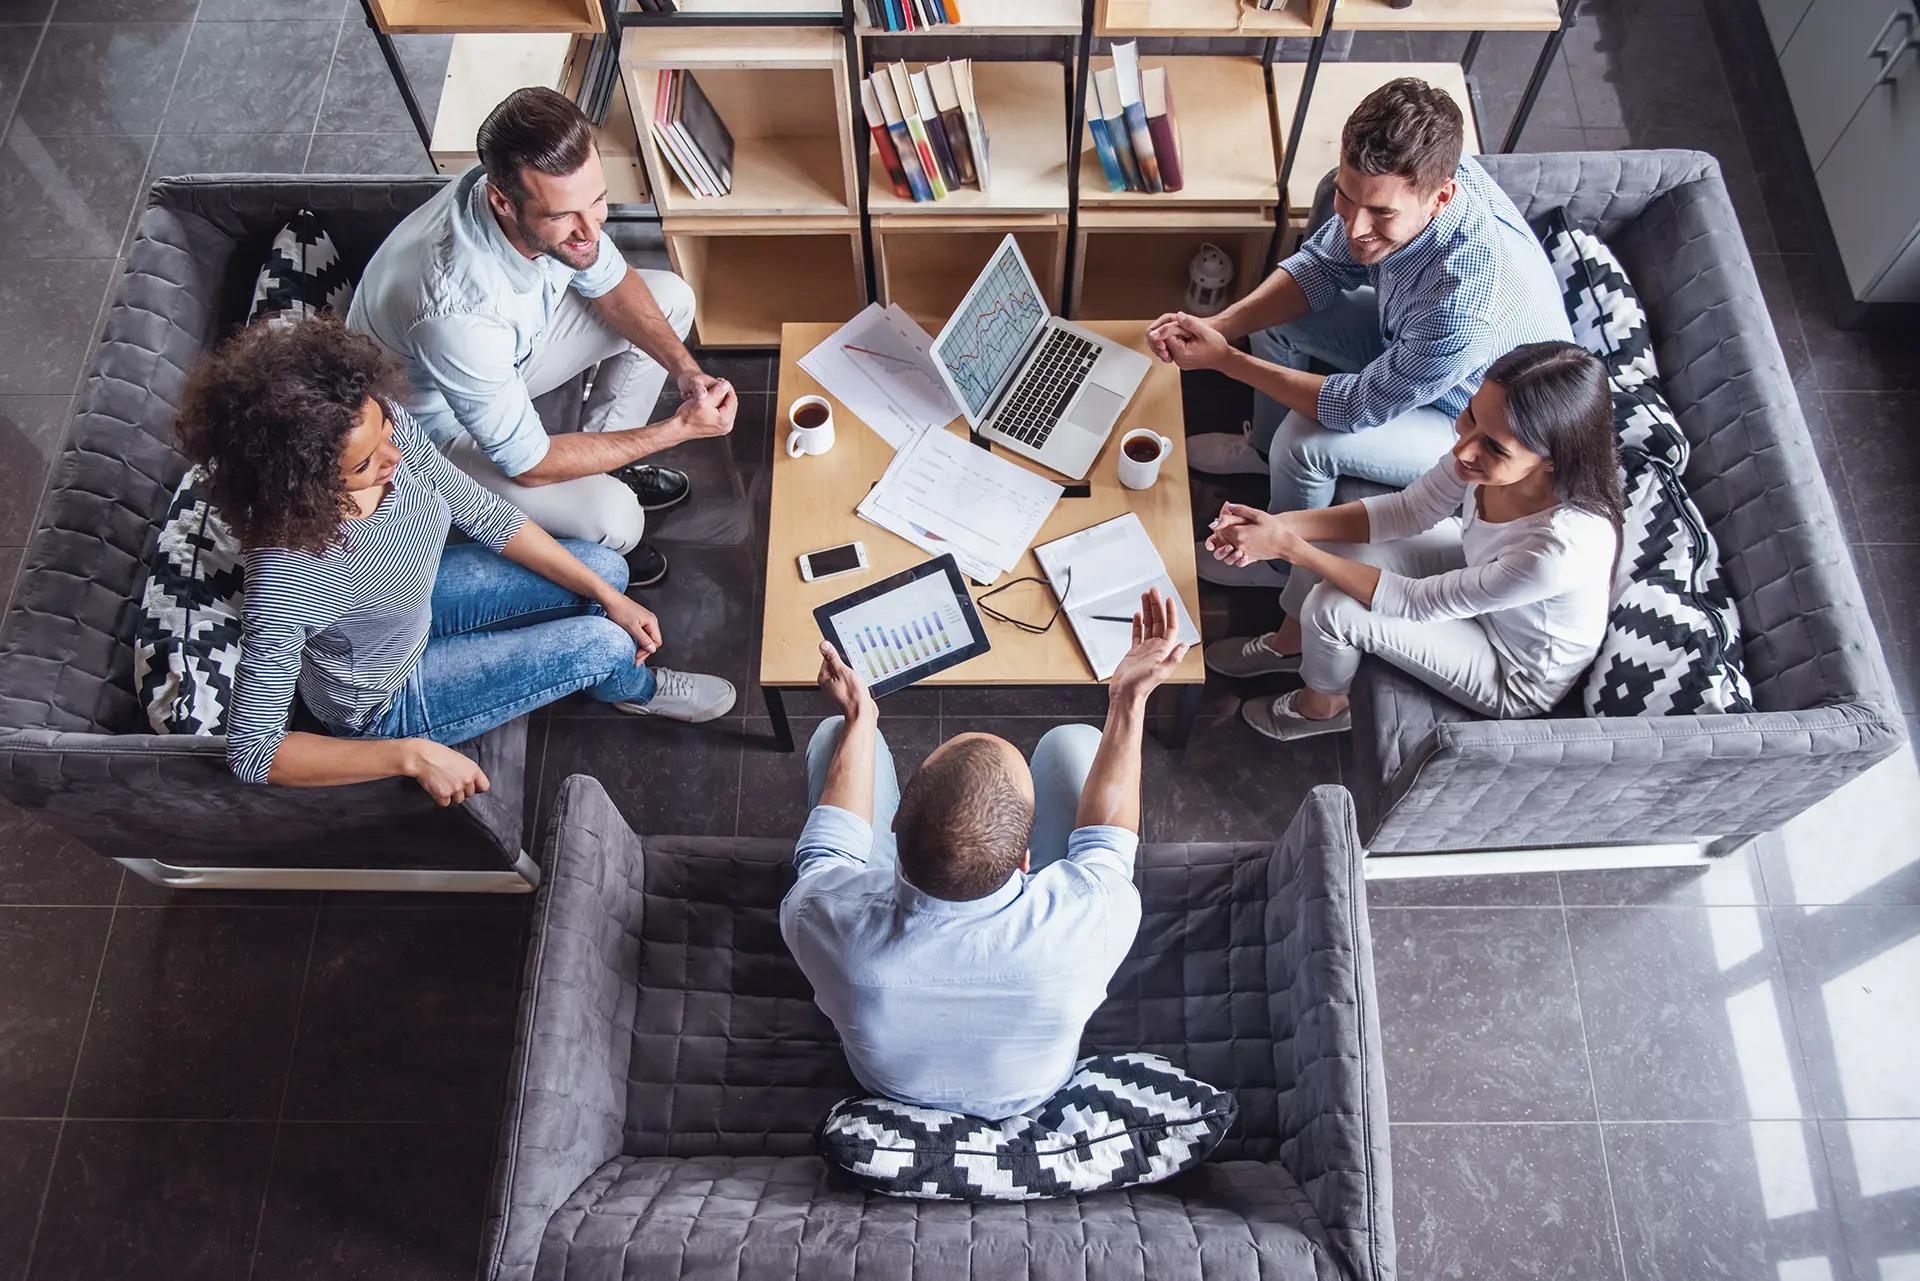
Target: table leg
<point>777,713</point>
<point>1183,719</point>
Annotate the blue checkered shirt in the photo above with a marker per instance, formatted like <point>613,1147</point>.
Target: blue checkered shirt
<point>1469,289</point>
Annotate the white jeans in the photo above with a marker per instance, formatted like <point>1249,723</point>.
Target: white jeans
<point>1453,655</point>
<point>598,509</point>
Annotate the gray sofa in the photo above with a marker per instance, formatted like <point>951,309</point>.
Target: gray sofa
<point>74,746</point>
<point>1432,776</point>
<point>671,1067</point>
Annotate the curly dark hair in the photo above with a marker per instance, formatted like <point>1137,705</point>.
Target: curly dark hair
<point>1409,129</point>
<point>266,413</point>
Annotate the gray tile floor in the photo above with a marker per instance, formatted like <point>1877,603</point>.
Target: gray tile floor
<point>1613,1075</point>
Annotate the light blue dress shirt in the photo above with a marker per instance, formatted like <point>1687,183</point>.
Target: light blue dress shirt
<point>463,309</point>
<point>975,1007</point>
<point>1463,293</point>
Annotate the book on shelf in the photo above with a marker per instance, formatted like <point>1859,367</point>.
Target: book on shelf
<point>1107,85</point>
<point>936,128</point>
<point>589,74</point>
<point>903,143</point>
<point>934,125</point>
<point>1156,95</point>
<point>1135,128</point>
<point>911,15</point>
<point>917,128</point>
<point>953,121</point>
<point>883,141</point>
<point>1126,67</point>
<point>1102,142</point>
<point>977,140</point>
<point>690,133</point>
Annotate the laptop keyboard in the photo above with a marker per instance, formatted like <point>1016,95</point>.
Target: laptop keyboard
<point>1034,408</point>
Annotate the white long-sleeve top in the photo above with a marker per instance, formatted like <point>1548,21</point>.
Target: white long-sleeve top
<point>1540,585</point>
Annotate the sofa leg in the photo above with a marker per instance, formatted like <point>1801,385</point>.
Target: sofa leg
<point>522,878</point>
<point>1581,858</point>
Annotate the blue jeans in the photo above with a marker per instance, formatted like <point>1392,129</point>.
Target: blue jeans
<point>1061,762</point>
<point>504,641</point>
<point>1306,459</point>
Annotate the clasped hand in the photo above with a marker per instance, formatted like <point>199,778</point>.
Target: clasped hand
<point>1242,535</point>
<point>1188,341</point>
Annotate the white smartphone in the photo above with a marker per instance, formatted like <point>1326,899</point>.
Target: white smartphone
<point>832,562</point>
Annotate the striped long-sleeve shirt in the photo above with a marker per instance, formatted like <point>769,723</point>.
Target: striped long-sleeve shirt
<point>1463,293</point>
<point>347,627</point>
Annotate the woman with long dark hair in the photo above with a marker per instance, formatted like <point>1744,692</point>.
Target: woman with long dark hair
<point>397,643</point>
<point>1489,578</point>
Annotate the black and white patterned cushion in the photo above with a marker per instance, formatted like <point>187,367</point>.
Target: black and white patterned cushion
<point>1608,321</point>
<point>186,643</point>
<point>303,275</point>
<point>1120,1120</point>
<point>1672,646</point>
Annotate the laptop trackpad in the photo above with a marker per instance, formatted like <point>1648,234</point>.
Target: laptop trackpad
<point>1097,408</point>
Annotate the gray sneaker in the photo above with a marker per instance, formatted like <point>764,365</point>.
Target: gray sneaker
<point>1276,718</point>
<point>1248,656</point>
<point>684,696</point>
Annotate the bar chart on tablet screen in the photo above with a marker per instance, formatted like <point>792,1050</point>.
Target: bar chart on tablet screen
<point>903,629</point>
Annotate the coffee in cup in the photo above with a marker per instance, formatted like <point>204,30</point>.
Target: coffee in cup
<point>1141,452</point>
<point>811,418</point>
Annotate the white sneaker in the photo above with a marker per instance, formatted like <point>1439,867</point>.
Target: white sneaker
<point>684,696</point>
<point>1225,453</point>
<point>1262,573</point>
<point>1250,656</point>
<point>1277,718</point>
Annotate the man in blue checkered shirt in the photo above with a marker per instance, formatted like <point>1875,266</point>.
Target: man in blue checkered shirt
<point>1425,276</point>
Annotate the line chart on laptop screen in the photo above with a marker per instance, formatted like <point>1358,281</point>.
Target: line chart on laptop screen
<point>1002,314</point>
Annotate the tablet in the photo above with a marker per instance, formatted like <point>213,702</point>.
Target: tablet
<point>905,627</point>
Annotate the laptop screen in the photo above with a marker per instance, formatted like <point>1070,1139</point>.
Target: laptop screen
<point>983,342</point>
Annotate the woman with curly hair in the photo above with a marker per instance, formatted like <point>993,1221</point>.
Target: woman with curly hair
<point>397,643</point>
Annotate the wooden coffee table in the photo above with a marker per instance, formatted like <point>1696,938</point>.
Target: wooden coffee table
<point>813,507</point>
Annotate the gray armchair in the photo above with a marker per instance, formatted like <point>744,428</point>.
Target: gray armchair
<point>671,1067</point>
<point>74,742</point>
<point>1433,776</point>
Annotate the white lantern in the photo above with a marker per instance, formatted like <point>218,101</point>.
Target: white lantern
<point>1209,281</point>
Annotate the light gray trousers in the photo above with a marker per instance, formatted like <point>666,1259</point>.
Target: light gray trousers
<point>1453,655</point>
<point>598,509</point>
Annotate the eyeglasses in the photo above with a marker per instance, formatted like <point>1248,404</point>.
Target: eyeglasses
<point>1032,629</point>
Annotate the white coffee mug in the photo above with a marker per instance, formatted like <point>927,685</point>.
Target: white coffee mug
<point>817,439</point>
<point>1138,475</point>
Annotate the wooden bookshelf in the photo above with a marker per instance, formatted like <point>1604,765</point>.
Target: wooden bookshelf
<point>1337,91</point>
<point>995,18</point>
<point>927,264</point>
<point>1024,108</point>
<point>1132,264</point>
<point>783,94</point>
<point>1448,15</point>
<point>483,69</point>
<point>1227,148</point>
<point>407,17</point>
<point>1205,18</point>
<point>751,275</point>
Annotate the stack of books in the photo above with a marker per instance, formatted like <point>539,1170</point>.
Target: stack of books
<point>911,15</point>
<point>691,135</point>
<point>592,70</point>
<point>1135,133</point>
<point>927,127</point>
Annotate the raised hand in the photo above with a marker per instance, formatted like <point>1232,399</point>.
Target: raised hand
<point>1157,650</point>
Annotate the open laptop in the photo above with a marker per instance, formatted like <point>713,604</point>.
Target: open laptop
<point>1046,389</point>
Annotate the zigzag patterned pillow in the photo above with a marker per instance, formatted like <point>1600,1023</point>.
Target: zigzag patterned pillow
<point>1672,646</point>
<point>1120,1120</point>
<point>186,643</point>
<point>302,276</point>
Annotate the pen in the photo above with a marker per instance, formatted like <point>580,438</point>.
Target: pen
<point>1111,618</point>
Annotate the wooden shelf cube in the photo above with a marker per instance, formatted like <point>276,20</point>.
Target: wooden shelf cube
<point>483,69</point>
<point>1337,91</point>
<point>750,276</point>
<point>1227,150</point>
<point>405,17</point>
<point>997,17</point>
<point>783,95</point>
<point>1024,108</point>
<point>1132,264</point>
<point>927,264</point>
<point>1206,18</point>
<point>1448,15</point>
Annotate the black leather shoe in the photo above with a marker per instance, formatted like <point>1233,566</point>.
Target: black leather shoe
<point>658,488</point>
<point>646,566</point>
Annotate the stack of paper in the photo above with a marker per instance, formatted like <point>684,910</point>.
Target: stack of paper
<point>942,494</point>
<point>880,366</point>
<point>1099,574</point>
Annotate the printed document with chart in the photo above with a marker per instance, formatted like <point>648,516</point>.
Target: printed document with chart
<point>943,494</point>
<point>880,366</point>
<point>1099,575</point>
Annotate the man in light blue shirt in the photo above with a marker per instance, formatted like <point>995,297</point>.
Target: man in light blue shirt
<point>1425,276</point>
<point>504,287</point>
<point>960,935</point>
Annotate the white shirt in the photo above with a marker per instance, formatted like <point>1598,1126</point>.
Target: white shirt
<point>974,1007</point>
<point>1541,585</point>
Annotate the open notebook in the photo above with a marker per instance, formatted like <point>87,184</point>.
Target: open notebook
<point>1102,571</point>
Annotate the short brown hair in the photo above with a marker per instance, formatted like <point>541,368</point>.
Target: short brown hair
<point>963,823</point>
<point>536,128</point>
<point>1409,129</point>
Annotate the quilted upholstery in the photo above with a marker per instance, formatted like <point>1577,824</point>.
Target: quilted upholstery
<point>70,745</point>
<point>671,1065</point>
<point>1432,776</point>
